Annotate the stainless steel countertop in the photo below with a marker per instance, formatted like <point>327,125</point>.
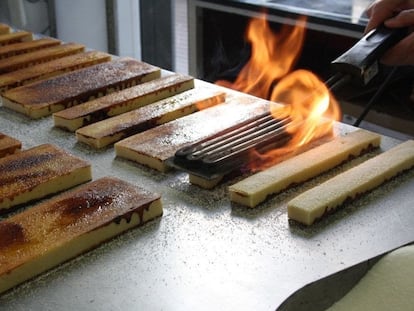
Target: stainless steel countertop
<point>206,253</point>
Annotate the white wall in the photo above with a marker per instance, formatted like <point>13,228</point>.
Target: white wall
<point>128,30</point>
<point>180,36</point>
<point>82,22</point>
<point>25,15</point>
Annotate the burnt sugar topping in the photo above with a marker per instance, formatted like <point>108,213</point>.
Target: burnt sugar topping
<point>25,60</point>
<point>8,145</point>
<point>27,179</point>
<point>36,172</point>
<point>50,69</point>
<point>122,101</point>
<point>10,234</point>
<point>34,165</point>
<point>42,98</point>
<point>87,203</point>
<point>82,205</point>
<point>80,84</point>
<point>101,202</point>
<point>28,46</point>
<point>24,162</point>
<point>56,230</point>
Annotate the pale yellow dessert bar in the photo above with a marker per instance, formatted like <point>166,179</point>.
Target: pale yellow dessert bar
<point>28,46</point>
<point>109,131</point>
<point>70,224</point>
<point>39,56</point>
<point>13,37</point>
<point>45,97</point>
<point>51,69</point>
<point>256,188</point>
<point>8,145</point>
<point>154,146</point>
<point>37,172</point>
<point>116,103</point>
<point>4,29</point>
<point>313,204</point>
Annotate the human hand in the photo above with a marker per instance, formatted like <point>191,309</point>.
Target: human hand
<point>394,14</point>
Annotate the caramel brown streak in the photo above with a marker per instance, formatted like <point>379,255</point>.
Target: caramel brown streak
<point>154,146</point>
<point>4,29</point>
<point>38,172</point>
<point>51,69</point>
<point>10,234</point>
<point>100,201</point>
<point>123,101</point>
<point>77,207</point>
<point>25,47</point>
<point>49,226</point>
<point>13,37</point>
<point>75,87</point>
<point>40,56</point>
<point>8,145</point>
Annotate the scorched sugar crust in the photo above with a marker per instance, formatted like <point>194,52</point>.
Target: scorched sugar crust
<point>74,222</point>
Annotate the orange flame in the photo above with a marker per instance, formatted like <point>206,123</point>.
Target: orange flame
<point>272,57</point>
<point>307,102</point>
<point>305,99</point>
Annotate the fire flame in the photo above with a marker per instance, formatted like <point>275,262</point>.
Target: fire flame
<point>272,57</point>
<point>304,97</point>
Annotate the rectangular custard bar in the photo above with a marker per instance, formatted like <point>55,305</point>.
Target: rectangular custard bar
<point>122,101</point>
<point>154,146</point>
<point>25,60</point>
<point>28,46</point>
<point>256,188</point>
<point>111,130</point>
<point>54,231</point>
<point>13,37</point>
<point>313,204</point>
<point>37,172</point>
<point>8,145</point>
<point>51,68</point>
<point>4,28</point>
<point>45,97</point>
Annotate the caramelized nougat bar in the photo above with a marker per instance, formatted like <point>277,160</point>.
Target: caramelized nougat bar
<point>13,37</point>
<point>154,146</point>
<point>37,172</point>
<point>54,231</point>
<point>27,46</point>
<point>45,97</point>
<point>111,130</point>
<point>122,101</point>
<point>4,29</point>
<point>40,56</point>
<point>51,69</point>
<point>8,145</point>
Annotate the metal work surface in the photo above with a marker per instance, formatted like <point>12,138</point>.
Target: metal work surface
<point>206,253</point>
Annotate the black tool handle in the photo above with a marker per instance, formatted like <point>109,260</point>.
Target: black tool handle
<point>361,61</point>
